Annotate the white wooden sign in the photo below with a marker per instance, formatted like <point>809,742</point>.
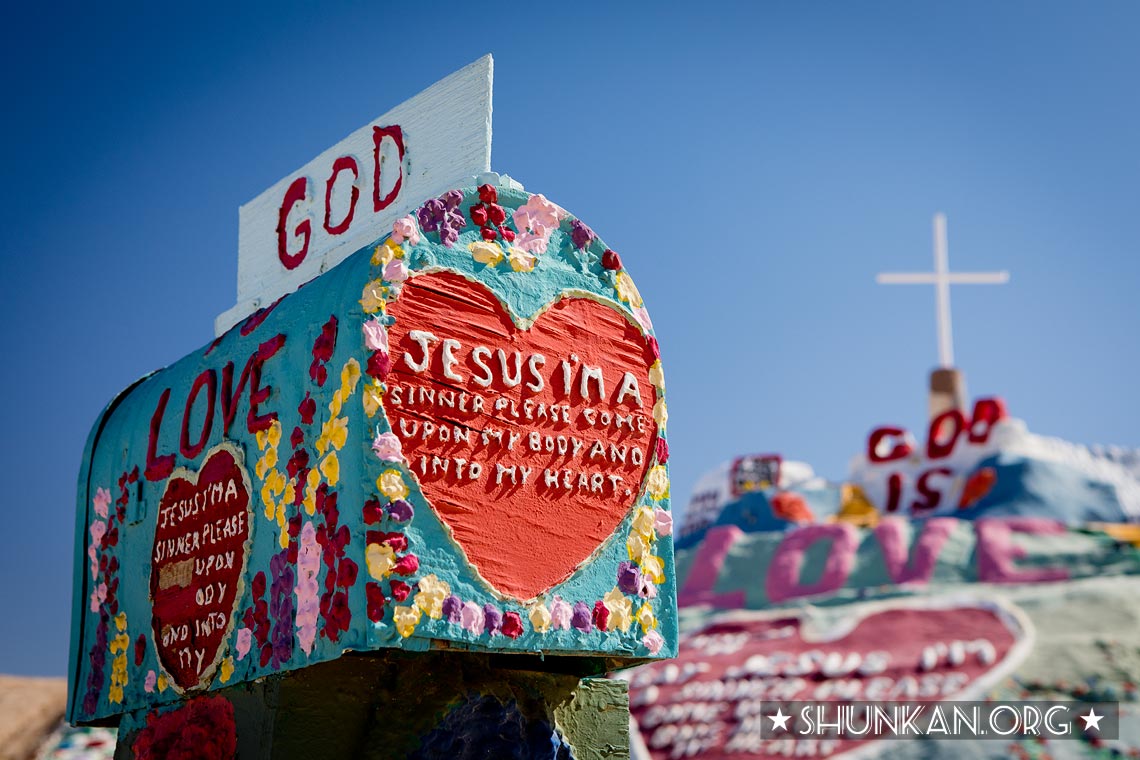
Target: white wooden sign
<point>351,193</point>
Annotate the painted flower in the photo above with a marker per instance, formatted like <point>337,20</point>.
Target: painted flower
<point>653,641</point>
<point>226,669</point>
<point>663,522</point>
<point>101,502</point>
<point>406,619</point>
<point>471,617</point>
<point>380,560</point>
<point>536,220</point>
<point>660,413</point>
<point>373,397</point>
<point>645,618</point>
<point>330,468</point>
<point>601,616</point>
<point>403,229</point>
<point>349,377</point>
<point>657,482</point>
<point>620,609</point>
<point>387,448</point>
<point>492,619</point>
<point>637,546</point>
<point>432,593</point>
<point>540,618</point>
<point>512,625</point>
<point>581,618</point>
<point>372,299</point>
<point>386,252</point>
<point>307,589</point>
<point>400,510</point>
<point>662,450</point>
<point>392,485</point>
<point>560,614</point>
<point>244,640</point>
<point>396,271</point>
<point>150,682</point>
<point>521,260</point>
<point>580,234</point>
<point>643,522</point>
<point>627,291</point>
<point>653,567</point>
<point>407,565</point>
<point>641,314</point>
<point>628,577</point>
<point>375,335</point>
<point>657,375</point>
<point>452,609</point>
<point>610,260</point>
<point>486,252</point>
<point>334,433</point>
<point>400,590</point>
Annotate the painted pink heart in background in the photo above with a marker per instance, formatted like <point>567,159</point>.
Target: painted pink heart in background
<point>710,697</point>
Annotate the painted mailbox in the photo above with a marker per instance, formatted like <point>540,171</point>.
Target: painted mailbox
<point>453,439</point>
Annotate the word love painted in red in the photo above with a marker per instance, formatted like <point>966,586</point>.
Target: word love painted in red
<point>709,700</point>
<point>530,442</point>
<point>197,563</point>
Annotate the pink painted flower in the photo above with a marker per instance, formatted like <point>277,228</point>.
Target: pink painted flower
<point>536,220</point>
<point>653,641</point>
<point>307,589</point>
<point>98,596</point>
<point>376,335</point>
<point>244,640</point>
<point>642,317</point>
<point>396,271</point>
<point>471,617</point>
<point>560,614</point>
<point>662,522</point>
<point>101,501</point>
<point>403,229</point>
<point>387,448</point>
<point>151,682</point>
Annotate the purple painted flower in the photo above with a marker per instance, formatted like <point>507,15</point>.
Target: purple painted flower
<point>493,619</point>
<point>431,214</point>
<point>400,510</point>
<point>452,199</point>
<point>581,618</point>
<point>629,577</point>
<point>453,608</point>
<point>580,234</point>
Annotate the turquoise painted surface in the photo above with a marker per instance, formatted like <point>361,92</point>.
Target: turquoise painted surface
<point>113,644</point>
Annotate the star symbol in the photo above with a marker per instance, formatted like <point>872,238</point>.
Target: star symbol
<point>1092,720</point>
<point>779,719</point>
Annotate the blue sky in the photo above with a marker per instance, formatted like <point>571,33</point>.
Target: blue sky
<point>754,164</point>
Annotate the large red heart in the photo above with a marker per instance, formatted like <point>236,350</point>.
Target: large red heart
<point>586,456</point>
<point>197,563</point>
<point>933,651</point>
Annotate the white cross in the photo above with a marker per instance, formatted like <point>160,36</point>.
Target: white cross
<point>942,278</point>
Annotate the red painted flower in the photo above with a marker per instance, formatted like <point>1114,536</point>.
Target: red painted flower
<point>976,488</point>
<point>203,729</point>
<point>407,565</point>
<point>400,590</point>
<point>610,260</point>
<point>601,615</point>
<point>791,506</point>
<point>512,625</point>
<point>375,598</point>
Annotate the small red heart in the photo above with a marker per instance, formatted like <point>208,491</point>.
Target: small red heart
<point>925,650</point>
<point>521,537</point>
<point>197,563</point>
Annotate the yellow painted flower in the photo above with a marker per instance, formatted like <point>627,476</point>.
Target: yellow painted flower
<point>392,485</point>
<point>660,413</point>
<point>540,618</point>
<point>657,375</point>
<point>373,397</point>
<point>227,669</point>
<point>270,436</point>
<point>336,402</point>
<point>627,291</point>
<point>637,547</point>
<point>653,567</point>
<point>349,377</point>
<point>657,482</point>
<point>290,493</point>
<point>521,261</point>
<point>334,433</point>
<point>380,560</point>
<point>385,252</point>
<point>283,535</point>
<point>373,297</point>
<point>406,619</point>
<point>161,682</point>
<point>267,500</point>
<point>330,468</point>
<point>432,592</point>
<point>643,523</point>
<point>486,252</point>
<point>121,624</point>
<point>313,479</point>
<point>115,694</point>
<point>621,610</point>
<point>646,619</point>
<point>276,482</point>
